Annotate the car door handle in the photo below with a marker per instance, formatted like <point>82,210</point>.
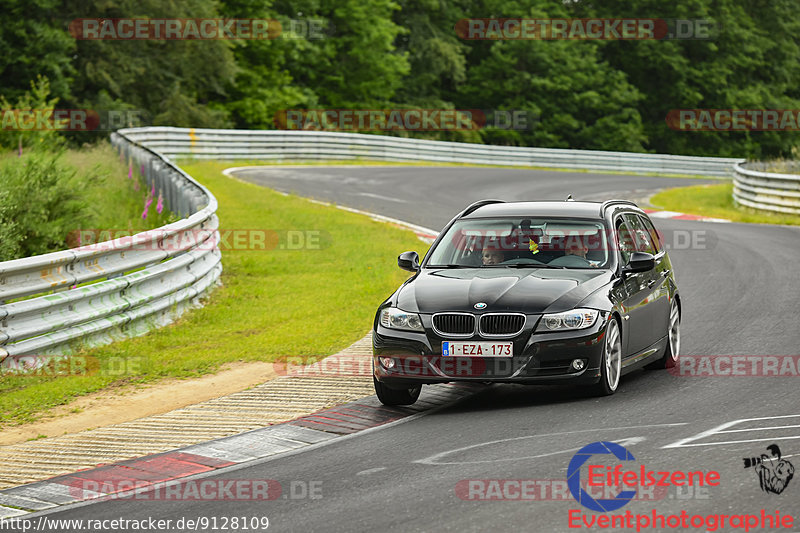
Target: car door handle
<point>666,273</point>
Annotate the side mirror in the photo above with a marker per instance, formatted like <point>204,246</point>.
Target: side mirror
<point>639,262</point>
<point>409,261</point>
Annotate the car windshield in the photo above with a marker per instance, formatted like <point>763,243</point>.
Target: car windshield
<point>522,242</point>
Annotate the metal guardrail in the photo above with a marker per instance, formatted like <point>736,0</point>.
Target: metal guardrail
<point>121,288</point>
<point>286,145</point>
<point>132,284</point>
<point>769,191</point>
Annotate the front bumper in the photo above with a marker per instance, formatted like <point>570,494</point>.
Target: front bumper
<point>539,358</point>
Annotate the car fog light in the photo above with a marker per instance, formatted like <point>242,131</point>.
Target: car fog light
<point>578,364</point>
<point>387,362</point>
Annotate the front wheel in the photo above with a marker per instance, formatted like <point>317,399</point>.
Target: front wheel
<point>672,352</point>
<point>389,396</point>
<point>610,362</point>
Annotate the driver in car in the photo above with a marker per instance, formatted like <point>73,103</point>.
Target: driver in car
<point>579,249</point>
<point>576,248</point>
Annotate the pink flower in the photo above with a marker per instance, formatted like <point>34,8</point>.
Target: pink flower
<point>147,203</point>
<point>130,171</point>
<point>160,203</point>
<point>153,190</point>
<point>141,169</point>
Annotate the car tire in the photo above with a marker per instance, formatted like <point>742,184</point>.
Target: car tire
<point>611,361</point>
<point>673,349</point>
<point>389,396</point>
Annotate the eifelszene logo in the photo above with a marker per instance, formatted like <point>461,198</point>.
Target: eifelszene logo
<point>774,473</point>
<point>607,476</point>
<point>574,476</point>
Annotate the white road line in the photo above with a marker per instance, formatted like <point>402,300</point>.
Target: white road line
<point>664,214</point>
<point>381,197</point>
<point>768,418</point>
<point>435,459</point>
<point>425,234</point>
<point>770,439</point>
<point>758,429</point>
<point>370,471</point>
<point>719,429</point>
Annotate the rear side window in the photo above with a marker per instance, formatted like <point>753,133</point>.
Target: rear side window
<point>633,236</point>
<point>641,237</point>
<point>654,237</point>
<point>625,240</point>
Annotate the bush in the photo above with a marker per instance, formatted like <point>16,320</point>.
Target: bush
<point>39,100</point>
<point>40,203</point>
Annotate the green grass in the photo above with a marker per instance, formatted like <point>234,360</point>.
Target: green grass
<point>716,201</point>
<point>108,198</point>
<point>113,198</point>
<point>272,303</point>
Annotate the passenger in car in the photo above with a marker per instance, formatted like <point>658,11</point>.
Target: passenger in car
<point>492,256</point>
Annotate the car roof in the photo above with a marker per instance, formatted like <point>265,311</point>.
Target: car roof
<point>543,209</point>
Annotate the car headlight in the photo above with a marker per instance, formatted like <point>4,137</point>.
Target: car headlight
<point>394,318</point>
<point>575,319</point>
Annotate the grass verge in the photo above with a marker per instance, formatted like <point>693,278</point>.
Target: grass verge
<point>716,201</point>
<point>273,303</point>
<point>46,197</point>
<point>370,162</point>
<point>116,201</point>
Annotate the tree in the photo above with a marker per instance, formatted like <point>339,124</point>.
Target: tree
<point>581,101</point>
<point>171,80</point>
<point>749,61</point>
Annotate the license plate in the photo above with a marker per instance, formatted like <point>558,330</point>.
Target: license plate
<point>477,349</point>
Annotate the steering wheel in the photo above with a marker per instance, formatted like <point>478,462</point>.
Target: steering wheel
<point>571,261</point>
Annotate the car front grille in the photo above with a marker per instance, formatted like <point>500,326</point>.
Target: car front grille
<point>502,324</point>
<point>454,324</point>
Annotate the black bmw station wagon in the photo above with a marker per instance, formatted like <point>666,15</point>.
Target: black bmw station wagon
<point>530,292</point>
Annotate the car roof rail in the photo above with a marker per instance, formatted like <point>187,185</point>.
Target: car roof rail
<point>479,203</point>
<point>609,203</point>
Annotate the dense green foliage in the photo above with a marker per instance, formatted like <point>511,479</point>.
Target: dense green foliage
<point>611,95</point>
<point>35,227</point>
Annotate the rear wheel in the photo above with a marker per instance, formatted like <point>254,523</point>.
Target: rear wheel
<point>389,396</point>
<point>610,362</point>
<point>673,350</point>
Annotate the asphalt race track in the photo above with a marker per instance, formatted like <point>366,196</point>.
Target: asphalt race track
<point>739,286</point>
